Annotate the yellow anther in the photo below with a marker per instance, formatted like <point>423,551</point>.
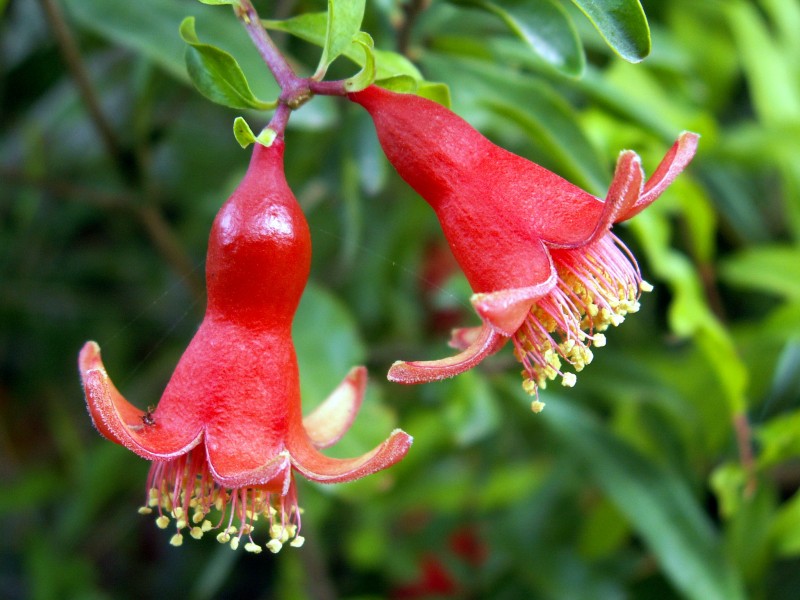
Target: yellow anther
<point>180,523</point>
<point>198,516</point>
<point>297,541</point>
<point>599,340</point>
<point>196,532</point>
<point>529,386</point>
<point>178,512</point>
<point>234,543</point>
<point>274,546</point>
<point>537,406</point>
<point>145,510</point>
<point>645,287</point>
<point>162,522</point>
<point>223,538</point>
<point>569,380</point>
<point>206,525</point>
<point>252,547</point>
<point>176,540</point>
<point>231,529</point>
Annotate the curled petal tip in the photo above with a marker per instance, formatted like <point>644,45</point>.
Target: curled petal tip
<point>674,162</point>
<point>120,421</point>
<point>505,310</point>
<point>487,342</point>
<point>318,467</point>
<point>327,423</point>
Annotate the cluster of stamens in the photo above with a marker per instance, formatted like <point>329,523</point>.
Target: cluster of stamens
<point>183,489</point>
<point>597,286</point>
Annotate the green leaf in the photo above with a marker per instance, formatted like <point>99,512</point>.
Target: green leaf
<point>216,74</point>
<point>772,269</point>
<point>438,92</point>
<point>545,27</point>
<point>245,136</point>
<point>623,25</point>
<point>242,132</point>
<point>770,70</point>
<point>343,23</point>
<point>365,76</point>
<point>221,2</point>
<point>654,500</point>
<point>312,27</point>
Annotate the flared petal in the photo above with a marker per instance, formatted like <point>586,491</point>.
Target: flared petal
<point>675,161</point>
<point>505,310</point>
<point>487,343</point>
<point>120,421</point>
<point>274,474</point>
<point>625,190</point>
<point>327,423</point>
<point>324,469</point>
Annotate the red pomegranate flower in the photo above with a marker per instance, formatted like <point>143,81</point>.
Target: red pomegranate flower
<point>228,430</point>
<point>545,269</point>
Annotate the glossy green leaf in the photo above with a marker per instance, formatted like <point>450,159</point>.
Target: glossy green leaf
<point>312,27</point>
<point>343,23</point>
<point>623,25</point>
<point>771,269</point>
<point>656,501</point>
<point>545,27</point>
<point>216,74</point>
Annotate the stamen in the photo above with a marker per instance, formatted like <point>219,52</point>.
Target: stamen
<point>184,490</point>
<point>597,286</point>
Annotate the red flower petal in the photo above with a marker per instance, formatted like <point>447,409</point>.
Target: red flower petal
<point>324,469</point>
<point>487,343</point>
<point>331,419</point>
<point>123,423</point>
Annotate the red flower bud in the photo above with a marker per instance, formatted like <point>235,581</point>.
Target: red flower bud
<point>537,250</point>
<point>228,430</point>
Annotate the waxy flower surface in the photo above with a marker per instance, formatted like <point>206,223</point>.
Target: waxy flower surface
<point>545,269</point>
<point>228,431</point>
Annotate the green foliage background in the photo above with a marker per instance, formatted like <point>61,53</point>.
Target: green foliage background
<point>670,470</point>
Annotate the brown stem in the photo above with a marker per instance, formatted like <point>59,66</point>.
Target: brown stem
<point>74,63</point>
<point>153,221</point>
<point>167,244</point>
<point>411,10</point>
<point>743,440</point>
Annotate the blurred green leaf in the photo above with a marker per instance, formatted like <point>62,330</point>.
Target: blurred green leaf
<point>657,503</point>
<point>771,72</point>
<point>343,23</point>
<point>216,74</point>
<point>623,25</point>
<point>327,343</point>
<point>772,269</point>
<point>785,529</point>
<point>544,26</point>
